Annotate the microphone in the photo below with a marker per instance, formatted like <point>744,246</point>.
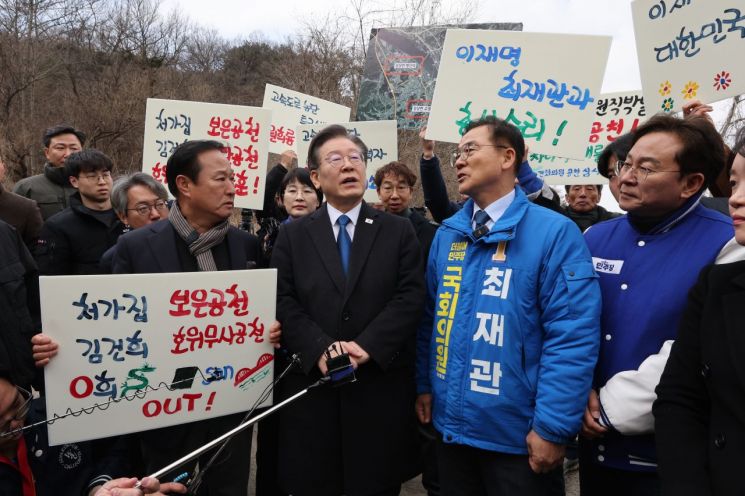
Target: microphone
<point>340,368</point>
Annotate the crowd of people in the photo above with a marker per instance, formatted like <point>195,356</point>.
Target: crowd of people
<point>489,344</point>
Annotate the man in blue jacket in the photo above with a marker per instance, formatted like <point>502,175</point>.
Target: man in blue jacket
<point>647,262</point>
<point>510,334</point>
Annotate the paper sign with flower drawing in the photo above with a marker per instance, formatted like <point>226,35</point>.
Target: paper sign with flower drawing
<point>687,50</point>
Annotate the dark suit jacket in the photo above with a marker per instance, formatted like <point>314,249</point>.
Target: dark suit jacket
<point>152,249</point>
<point>359,438</point>
<point>700,407</point>
<point>21,213</point>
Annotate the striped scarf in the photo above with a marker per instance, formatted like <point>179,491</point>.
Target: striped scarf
<point>199,245</point>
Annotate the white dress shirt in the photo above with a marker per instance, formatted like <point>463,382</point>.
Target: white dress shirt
<point>353,215</point>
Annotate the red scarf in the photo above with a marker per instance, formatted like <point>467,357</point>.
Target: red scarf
<point>29,488</point>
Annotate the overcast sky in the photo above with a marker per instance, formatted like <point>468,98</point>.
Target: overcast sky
<point>278,19</point>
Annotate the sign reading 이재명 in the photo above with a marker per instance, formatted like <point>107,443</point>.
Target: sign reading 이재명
<point>545,84</point>
<point>379,136</point>
<point>244,132</point>
<point>143,351</point>
<point>688,49</point>
<point>291,109</point>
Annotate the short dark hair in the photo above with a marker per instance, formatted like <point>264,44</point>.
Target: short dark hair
<point>326,134</point>
<point>567,187</point>
<point>60,129</point>
<point>183,161</point>
<point>120,191</point>
<point>502,130</point>
<point>702,150</point>
<point>398,169</point>
<point>619,147</point>
<point>89,160</point>
<point>301,175</point>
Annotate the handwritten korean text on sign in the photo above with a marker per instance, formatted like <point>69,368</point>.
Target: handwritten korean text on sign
<point>545,84</point>
<point>688,50</point>
<point>139,352</point>
<point>615,114</point>
<point>291,108</point>
<point>244,131</point>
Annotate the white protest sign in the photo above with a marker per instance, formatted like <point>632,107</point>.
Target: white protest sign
<point>615,114</point>
<point>143,351</point>
<point>381,140</point>
<point>688,49</point>
<point>545,84</point>
<point>243,130</point>
<point>292,108</point>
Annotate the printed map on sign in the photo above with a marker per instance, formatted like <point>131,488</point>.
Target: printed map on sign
<point>379,136</point>
<point>400,70</point>
<point>243,130</point>
<point>144,351</point>
<point>291,108</point>
<point>615,114</point>
<point>545,84</point>
<point>688,49</point>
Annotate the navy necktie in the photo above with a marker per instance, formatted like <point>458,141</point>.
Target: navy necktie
<point>480,219</point>
<point>344,242</point>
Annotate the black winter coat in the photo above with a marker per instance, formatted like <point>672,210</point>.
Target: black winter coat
<point>700,407</point>
<point>73,241</point>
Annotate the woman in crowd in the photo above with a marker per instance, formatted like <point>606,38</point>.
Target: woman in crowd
<point>699,413</point>
<point>298,197</point>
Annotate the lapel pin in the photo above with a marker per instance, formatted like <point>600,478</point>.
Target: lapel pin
<point>368,221</point>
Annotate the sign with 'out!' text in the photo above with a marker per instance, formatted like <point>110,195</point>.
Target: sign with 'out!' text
<point>244,132</point>
<point>379,136</point>
<point>291,109</point>
<point>143,351</point>
<point>545,84</point>
<point>689,49</point>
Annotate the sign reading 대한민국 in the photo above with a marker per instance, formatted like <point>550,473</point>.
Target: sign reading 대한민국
<point>688,49</point>
<point>615,114</point>
<point>143,351</point>
<point>545,84</point>
<point>379,136</point>
<point>400,70</point>
<point>292,108</point>
<point>244,131</point>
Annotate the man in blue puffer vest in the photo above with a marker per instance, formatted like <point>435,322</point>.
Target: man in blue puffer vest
<point>511,329</point>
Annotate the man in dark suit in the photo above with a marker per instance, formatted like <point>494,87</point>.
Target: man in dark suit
<point>349,280</point>
<point>195,237</point>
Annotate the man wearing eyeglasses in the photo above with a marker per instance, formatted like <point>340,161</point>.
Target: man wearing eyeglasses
<point>350,280</point>
<point>138,200</point>
<point>510,333</point>
<point>647,261</point>
<point>73,241</point>
<point>395,185</point>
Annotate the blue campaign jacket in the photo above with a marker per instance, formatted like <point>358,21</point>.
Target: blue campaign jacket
<point>644,279</point>
<point>511,328</point>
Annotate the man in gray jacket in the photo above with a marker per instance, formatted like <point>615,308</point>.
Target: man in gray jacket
<point>51,190</point>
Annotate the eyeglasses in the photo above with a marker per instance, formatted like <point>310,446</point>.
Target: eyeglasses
<point>400,188</point>
<point>640,172</point>
<point>337,160</point>
<point>106,175</point>
<point>21,405</point>
<point>145,208</point>
<point>468,150</point>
